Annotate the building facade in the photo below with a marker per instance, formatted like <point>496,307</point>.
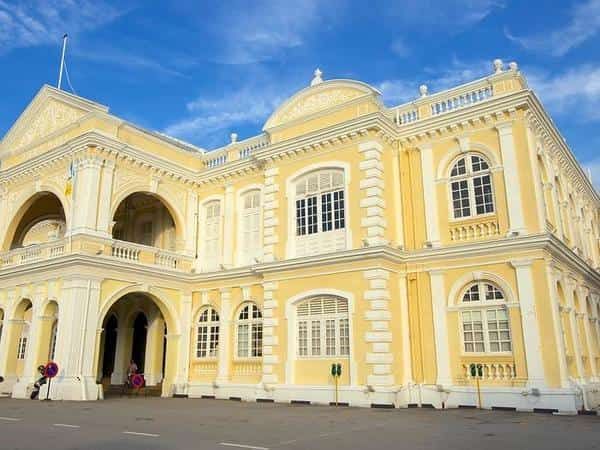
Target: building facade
<point>405,243</point>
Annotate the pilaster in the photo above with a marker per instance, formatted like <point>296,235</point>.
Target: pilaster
<point>224,354</point>
<point>530,325</point>
<point>86,195</point>
<point>183,352</point>
<point>570,287</point>
<point>270,339</point>
<point>430,196</point>
<point>379,336</point>
<point>372,204</point>
<point>270,216</point>
<point>552,277</point>
<point>511,178</point>
<point>405,327</point>
<point>440,327</point>
<point>106,186</point>
<point>228,226</point>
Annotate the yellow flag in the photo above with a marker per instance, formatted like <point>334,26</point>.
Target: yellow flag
<point>68,187</point>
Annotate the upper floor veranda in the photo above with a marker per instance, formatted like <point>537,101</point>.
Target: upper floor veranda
<point>333,171</point>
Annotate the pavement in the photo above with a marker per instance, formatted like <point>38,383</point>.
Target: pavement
<point>204,424</point>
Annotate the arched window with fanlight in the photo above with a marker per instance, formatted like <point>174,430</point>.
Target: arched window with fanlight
<point>471,187</point>
<point>323,328</point>
<point>207,345</point>
<point>484,319</point>
<point>320,212</point>
<point>249,332</point>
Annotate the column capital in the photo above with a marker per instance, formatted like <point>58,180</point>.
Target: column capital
<point>504,127</point>
<point>516,263</point>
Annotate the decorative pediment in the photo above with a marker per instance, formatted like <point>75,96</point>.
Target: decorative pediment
<point>318,98</point>
<point>50,111</point>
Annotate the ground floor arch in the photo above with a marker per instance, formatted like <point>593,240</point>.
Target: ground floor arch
<point>134,328</point>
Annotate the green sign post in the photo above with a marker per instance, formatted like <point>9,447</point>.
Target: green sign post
<point>336,373</point>
<point>477,373</point>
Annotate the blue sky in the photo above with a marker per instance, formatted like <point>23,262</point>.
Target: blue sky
<point>200,70</point>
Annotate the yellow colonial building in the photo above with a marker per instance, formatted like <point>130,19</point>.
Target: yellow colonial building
<point>404,243</point>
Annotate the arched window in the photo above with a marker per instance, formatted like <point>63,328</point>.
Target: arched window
<point>471,186</point>
<point>212,234</point>
<point>249,332</point>
<point>207,345</point>
<point>323,327</point>
<point>484,319</point>
<point>22,346</point>
<point>53,335</point>
<point>320,212</point>
<point>250,227</point>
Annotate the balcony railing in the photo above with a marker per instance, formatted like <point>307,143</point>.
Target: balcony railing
<point>493,371</point>
<point>102,248</point>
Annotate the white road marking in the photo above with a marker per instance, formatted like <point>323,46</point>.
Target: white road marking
<point>135,433</point>
<point>229,444</point>
<point>65,425</point>
<point>10,419</point>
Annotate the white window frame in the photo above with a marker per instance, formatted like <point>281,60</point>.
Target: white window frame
<point>469,177</point>
<point>211,262</point>
<point>208,327</point>
<point>483,306</point>
<point>53,337</point>
<point>23,342</point>
<point>250,323</point>
<point>322,320</point>
<point>243,258</point>
<point>291,247</point>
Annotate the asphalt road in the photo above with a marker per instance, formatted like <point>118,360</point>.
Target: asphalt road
<point>154,423</point>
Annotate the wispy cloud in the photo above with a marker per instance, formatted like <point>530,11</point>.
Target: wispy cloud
<point>583,24</point>
<point>454,15</point>
<point>437,79</point>
<point>575,92</point>
<point>210,118</point>
<point>268,28</point>
<point>41,22</point>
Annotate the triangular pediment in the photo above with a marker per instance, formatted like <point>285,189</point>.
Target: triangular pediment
<point>50,111</point>
<point>319,99</point>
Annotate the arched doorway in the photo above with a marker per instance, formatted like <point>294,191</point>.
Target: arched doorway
<point>41,219</point>
<point>18,340</point>
<point>48,334</point>
<point>134,328</point>
<point>144,219</point>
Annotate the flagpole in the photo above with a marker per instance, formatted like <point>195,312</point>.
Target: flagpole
<point>62,59</point>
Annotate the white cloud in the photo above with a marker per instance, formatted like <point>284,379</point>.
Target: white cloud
<point>584,23</point>
<point>211,118</point>
<point>451,15</point>
<point>267,28</point>
<point>575,92</point>
<point>41,22</point>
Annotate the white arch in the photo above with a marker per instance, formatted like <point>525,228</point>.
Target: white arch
<point>290,315</point>
<point>446,163</point>
<point>176,214</point>
<point>461,283</point>
<point>199,310</point>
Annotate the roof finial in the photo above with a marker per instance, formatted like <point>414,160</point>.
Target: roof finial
<point>317,79</point>
<point>233,137</point>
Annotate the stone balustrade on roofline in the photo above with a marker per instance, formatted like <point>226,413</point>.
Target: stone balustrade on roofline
<point>235,150</point>
<point>129,252</point>
<point>459,97</point>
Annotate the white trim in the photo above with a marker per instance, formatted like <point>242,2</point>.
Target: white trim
<point>290,194</point>
<point>454,299</point>
<point>447,162</point>
<point>290,316</point>
<point>430,196</point>
<point>239,217</point>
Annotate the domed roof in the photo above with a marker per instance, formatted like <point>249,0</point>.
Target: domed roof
<point>320,96</point>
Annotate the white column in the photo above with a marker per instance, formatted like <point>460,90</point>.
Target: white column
<point>440,327</point>
<point>554,196</point>
<point>537,179</point>
<point>154,351</point>
<point>511,178</point>
<point>405,326</point>
<point>104,212</point>
<point>181,377</point>
<point>552,276</point>
<point>86,196</point>
<point>228,226</point>
<point>373,203</point>
<point>191,224</point>
<point>588,335</point>
<point>270,216</point>
<point>430,195</point>
<point>224,354</point>
<point>570,287</point>
<point>4,218</point>
<point>122,354</point>
<point>5,339</point>
<point>531,333</point>
<point>33,341</point>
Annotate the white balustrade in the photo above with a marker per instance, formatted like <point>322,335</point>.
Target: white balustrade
<point>472,231</point>
<point>123,250</point>
<point>216,161</point>
<point>461,100</point>
<point>166,260</point>
<point>493,371</point>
